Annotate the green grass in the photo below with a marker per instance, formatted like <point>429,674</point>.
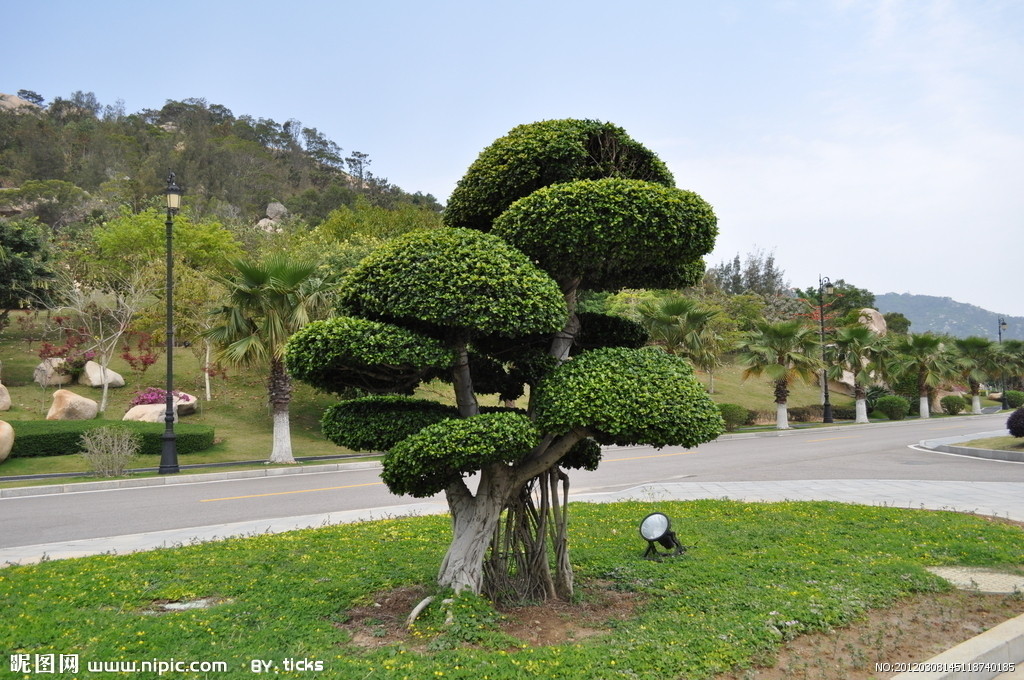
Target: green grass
<point>1006,443</point>
<point>760,574</point>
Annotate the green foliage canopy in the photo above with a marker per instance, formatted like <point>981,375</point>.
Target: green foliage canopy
<point>345,352</point>
<point>548,152</point>
<point>613,233</point>
<point>378,423</point>
<point>628,396</point>
<point>455,280</point>
<point>426,462</point>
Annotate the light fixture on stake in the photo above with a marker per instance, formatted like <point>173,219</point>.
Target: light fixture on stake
<point>657,528</point>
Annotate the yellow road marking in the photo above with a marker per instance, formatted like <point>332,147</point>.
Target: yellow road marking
<point>657,455</point>
<point>285,493</point>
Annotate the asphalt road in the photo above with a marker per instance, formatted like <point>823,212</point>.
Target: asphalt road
<point>852,452</point>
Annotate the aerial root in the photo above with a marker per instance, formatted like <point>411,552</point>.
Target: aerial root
<point>449,618</point>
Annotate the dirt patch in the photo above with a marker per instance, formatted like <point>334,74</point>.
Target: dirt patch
<point>916,629</point>
<point>383,622</point>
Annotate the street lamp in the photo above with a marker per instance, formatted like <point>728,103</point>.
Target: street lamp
<point>824,286</point>
<point>169,448</point>
<point>1000,328</point>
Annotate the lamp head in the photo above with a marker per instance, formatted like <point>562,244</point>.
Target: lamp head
<point>173,194</point>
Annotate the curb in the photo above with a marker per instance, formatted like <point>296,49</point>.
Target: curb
<point>983,657</point>
<point>78,487</point>
<point>948,445</point>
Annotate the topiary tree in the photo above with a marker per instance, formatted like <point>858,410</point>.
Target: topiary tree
<point>495,305</point>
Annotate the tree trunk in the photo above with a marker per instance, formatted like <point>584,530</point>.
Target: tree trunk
<point>781,412</point>
<point>280,391</point>
<point>206,368</point>
<point>924,406</point>
<point>474,520</point>
<point>975,404</point>
<point>462,380</point>
<point>862,411</point>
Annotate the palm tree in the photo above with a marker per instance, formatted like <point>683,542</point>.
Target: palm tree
<point>924,356</point>
<point>269,301</point>
<point>683,327</point>
<point>783,351</point>
<point>857,349</point>
<point>976,363</point>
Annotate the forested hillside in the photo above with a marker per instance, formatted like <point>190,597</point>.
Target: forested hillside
<point>947,316</point>
<point>75,159</point>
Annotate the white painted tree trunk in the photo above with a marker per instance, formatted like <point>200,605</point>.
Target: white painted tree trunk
<point>282,449</point>
<point>976,404</point>
<point>781,417</point>
<point>206,369</point>
<point>925,409</point>
<point>862,411</point>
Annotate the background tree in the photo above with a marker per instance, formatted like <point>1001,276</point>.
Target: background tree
<point>25,267</point>
<point>845,303</point>
<point>269,301</point>
<point>859,351</point>
<point>103,309</point>
<point>783,352</point>
<point>575,200</point>
<point>925,358</point>
<point>683,327</point>
<point>976,362</point>
<point>896,323</point>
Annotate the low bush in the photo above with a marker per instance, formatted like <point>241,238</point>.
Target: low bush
<point>63,437</point>
<point>952,404</point>
<point>844,412</point>
<point>1014,398</point>
<point>807,414</point>
<point>1015,423</point>
<point>155,395</point>
<point>110,450</point>
<point>734,415</point>
<point>893,407</point>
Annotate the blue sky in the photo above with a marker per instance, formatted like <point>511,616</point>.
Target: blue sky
<point>876,141</point>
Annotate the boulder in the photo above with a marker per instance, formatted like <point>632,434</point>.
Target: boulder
<point>5,399</point>
<point>147,413</point>
<point>276,211</point>
<point>92,376</point>
<point>6,440</point>
<point>874,320</point>
<point>48,373</point>
<point>185,403</point>
<point>69,406</point>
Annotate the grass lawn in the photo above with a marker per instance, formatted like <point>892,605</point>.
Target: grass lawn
<point>1006,443</point>
<point>759,576</point>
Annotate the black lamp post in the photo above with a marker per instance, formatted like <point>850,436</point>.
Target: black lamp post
<point>169,449</point>
<point>1000,328</point>
<point>824,286</point>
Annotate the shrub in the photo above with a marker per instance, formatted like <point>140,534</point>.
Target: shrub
<point>875,392</point>
<point>63,437</point>
<point>844,412</point>
<point>1014,398</point>
<point>893,407</point>
<point>110,450</point>
<point>1015,423</point>
<point>155,395</point>
<point>734,415</point>
<point>807,414</point>
<point>952,404</point>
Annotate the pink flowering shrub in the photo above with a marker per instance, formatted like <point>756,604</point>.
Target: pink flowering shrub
<point>155,395</point>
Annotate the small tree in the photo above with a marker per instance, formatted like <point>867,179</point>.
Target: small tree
<point>925,358</point>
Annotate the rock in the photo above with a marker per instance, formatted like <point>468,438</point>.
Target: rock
<point>268,225</point>
<point>5,399</point>
<point>47,374</point>
<point>92,376</point>
<point>147,413</point>
<point>185,403</point>
<point>69,406</point>
<point>276,211</point>
<point>874,320</point>
<point>6,440</point>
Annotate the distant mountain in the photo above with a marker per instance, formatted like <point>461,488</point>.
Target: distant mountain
<point>945,315</point>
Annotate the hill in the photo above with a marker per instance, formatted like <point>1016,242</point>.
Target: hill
<point>945,315</point>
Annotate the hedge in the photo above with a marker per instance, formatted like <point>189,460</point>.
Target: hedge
<point>62,437</point>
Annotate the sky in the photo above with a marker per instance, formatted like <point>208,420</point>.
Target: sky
<point>876,141</point>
